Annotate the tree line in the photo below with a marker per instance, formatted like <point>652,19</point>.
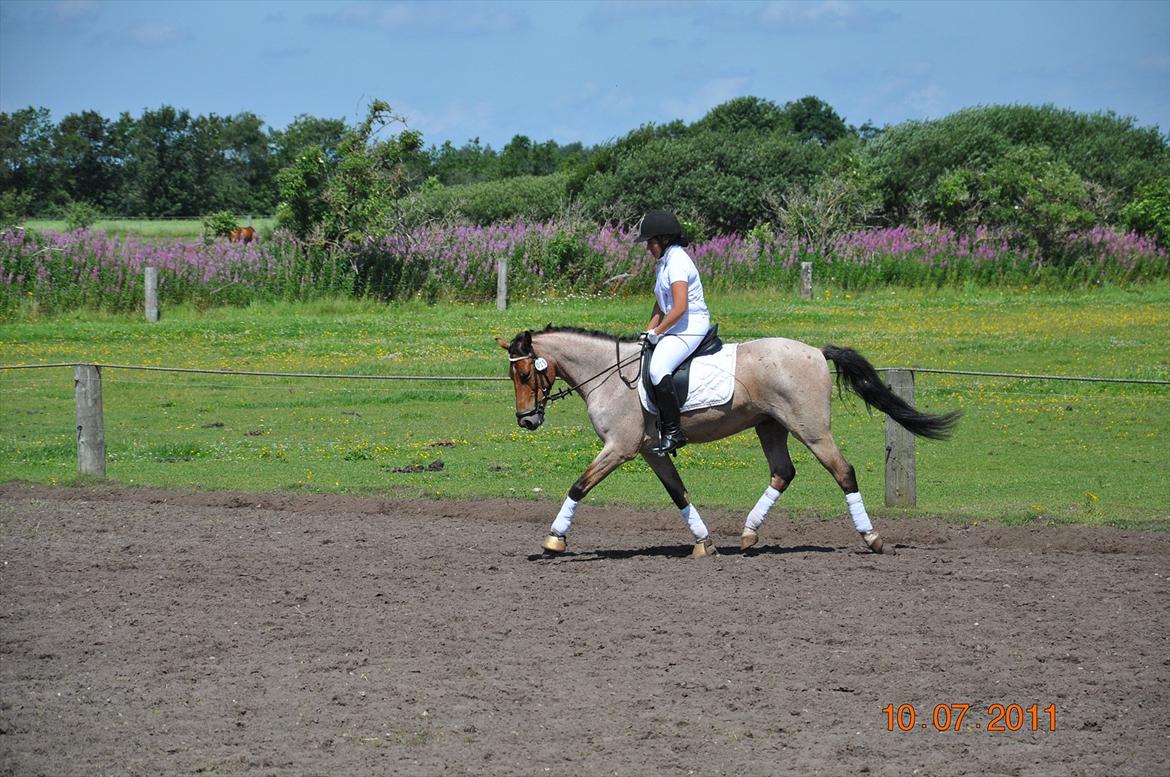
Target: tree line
<point>170,163</point>
<point>750,163</point>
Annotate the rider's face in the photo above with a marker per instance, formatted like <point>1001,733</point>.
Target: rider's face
<point>654,246</point>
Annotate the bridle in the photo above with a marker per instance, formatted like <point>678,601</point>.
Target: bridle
<point>540,382</point>
<point>543,383</point>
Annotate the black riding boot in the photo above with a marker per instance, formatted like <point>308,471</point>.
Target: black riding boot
<point>669,427</point>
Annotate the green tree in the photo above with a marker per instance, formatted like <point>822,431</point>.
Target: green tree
<point>1149,211</point>
<point>745,114</point>
<point>14,208</point>
<point>909,159</point>
<point>516,158</point>
<point>162,171</point>
<point>359,197</point>
<point>715,172</point>
<point>841,200</point>
<point>303,133</point>
<point>302,205</point>
<point>538,197</point>
<point>470,163</point>
<point>26,158</point>
<point>1028,190</point>
<point>814,120</point>
<point>249,158</point>
<point>80,215</point>
<point>212,185</point>
<point>88,163</point>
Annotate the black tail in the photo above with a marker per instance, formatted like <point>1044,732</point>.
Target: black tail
<point>862,379</point>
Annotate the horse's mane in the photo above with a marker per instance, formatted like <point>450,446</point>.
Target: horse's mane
<point>590,333</point>
<point>579,331</point>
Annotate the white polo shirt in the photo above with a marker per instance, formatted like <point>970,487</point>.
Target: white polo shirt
<point>677,265</point>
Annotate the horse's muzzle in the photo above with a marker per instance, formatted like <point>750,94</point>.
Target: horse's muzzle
<point>530,420</point>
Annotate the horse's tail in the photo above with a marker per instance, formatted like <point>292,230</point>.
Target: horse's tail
<point>859,376</point>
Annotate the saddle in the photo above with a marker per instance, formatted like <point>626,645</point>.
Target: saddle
<point>711,343</point>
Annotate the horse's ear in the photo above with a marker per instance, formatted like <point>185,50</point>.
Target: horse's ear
<point>503,343</point>
<point>527,341</point>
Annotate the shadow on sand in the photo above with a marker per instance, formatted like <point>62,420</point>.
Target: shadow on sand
<point>678,551</point>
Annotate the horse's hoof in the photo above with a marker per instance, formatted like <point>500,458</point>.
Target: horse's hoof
<point>873,541</point>
<point>748,538</point>
<point>704,548</point>
<point>553,543</point>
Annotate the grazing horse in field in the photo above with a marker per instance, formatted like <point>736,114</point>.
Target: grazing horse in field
<point>780,387</point>
<point>242,235</point>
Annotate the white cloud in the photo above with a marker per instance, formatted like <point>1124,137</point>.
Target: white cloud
<point>156,34</point>
<point>75,9</point>
<point>448,17</point>
<point>710,93</point>
<point>609,99</point>
<point>447,120</point>
<point>1158,63</point>
<point>833,14</point>
<point>928,101</point>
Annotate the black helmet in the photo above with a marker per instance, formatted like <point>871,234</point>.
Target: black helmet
<point>656,223</point>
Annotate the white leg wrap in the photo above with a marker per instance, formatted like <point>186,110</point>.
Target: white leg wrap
<point>564,519</point>
<point>695,523</point>
<point>857,513</point>
<point>756,517</point>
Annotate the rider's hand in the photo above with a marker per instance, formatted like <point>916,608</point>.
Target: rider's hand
<point>650,336</point>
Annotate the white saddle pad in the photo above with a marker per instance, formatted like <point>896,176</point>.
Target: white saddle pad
<point>712,381</point>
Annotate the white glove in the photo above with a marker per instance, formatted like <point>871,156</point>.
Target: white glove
<point>651,336</point>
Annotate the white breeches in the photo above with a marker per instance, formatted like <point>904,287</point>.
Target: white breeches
<point>671,350</point>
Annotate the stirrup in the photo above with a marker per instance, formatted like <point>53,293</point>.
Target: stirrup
<point>670,443</point>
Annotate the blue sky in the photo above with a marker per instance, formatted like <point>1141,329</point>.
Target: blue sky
<point>581,71</point>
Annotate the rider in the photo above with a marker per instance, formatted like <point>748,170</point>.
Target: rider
<point>678,321</point>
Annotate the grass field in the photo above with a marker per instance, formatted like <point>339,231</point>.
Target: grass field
<point>152,228</point>
<point>1026,450</point>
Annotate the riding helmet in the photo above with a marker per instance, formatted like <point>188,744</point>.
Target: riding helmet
<point>657,223</point>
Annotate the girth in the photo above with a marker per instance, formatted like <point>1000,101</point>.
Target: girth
<point>682,374</point>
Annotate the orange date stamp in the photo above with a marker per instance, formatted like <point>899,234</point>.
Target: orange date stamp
<point>999,718</point>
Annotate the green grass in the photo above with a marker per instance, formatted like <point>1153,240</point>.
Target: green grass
<point>153,228</point>
<point>1027,451</point>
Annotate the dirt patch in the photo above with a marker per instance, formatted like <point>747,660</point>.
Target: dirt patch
<point>154,632</point>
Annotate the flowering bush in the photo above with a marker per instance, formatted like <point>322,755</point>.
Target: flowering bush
<point>83,269</point>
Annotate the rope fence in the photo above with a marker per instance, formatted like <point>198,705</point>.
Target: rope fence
<point>345,376</point>
<point>901,474</point>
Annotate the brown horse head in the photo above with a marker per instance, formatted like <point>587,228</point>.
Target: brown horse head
<point>532,378</point>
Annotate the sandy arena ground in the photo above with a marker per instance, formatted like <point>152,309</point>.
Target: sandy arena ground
<point>161,633</point>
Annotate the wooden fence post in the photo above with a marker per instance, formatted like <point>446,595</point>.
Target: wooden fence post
<point>151,282</point>
<point>806,280</point>
<point>901,472</point>
<point>502,283</point>
<point>91,435</point>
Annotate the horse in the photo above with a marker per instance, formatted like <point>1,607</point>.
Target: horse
<point>242,235</point>
<point>781,387</point>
